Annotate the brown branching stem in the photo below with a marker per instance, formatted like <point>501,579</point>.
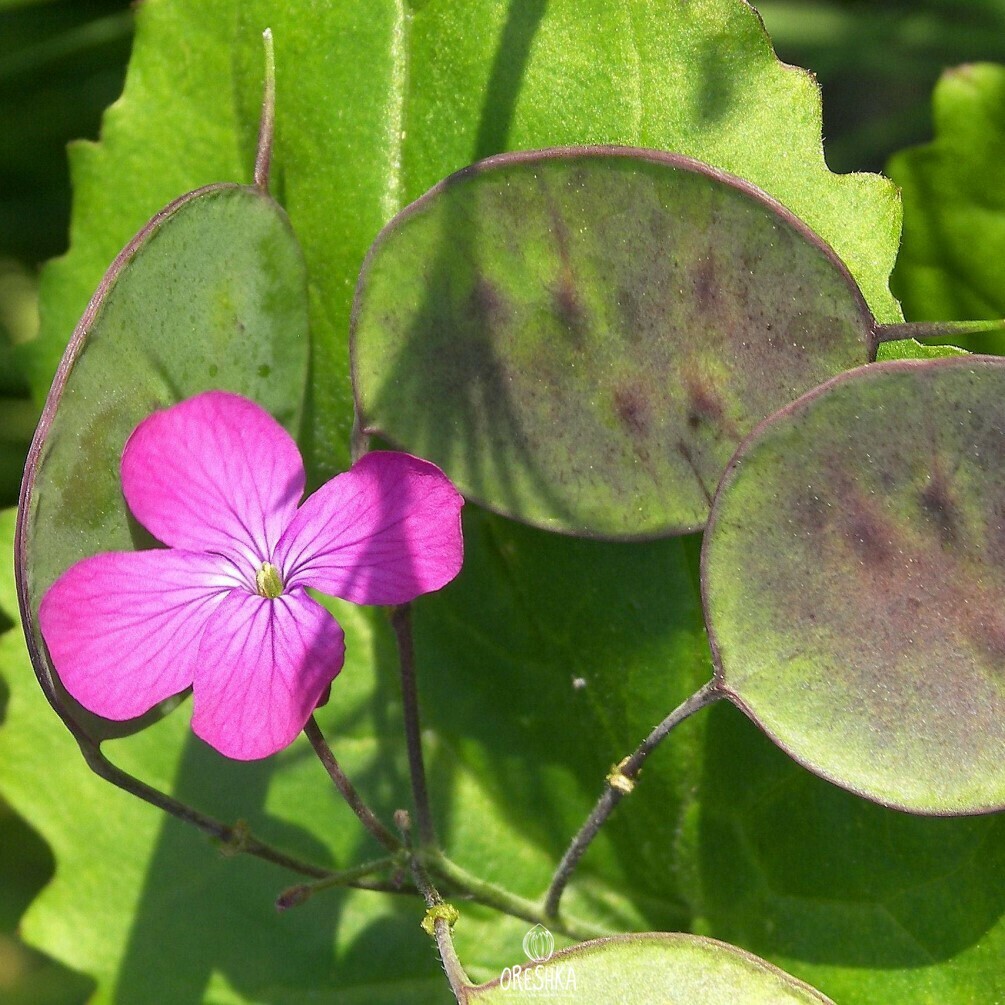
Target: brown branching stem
<point>401,622</point>
<point>935,330</point>
<point>346,789</point>
<point>440,916</point>
<point>619,783</point>
<point>235,838</point>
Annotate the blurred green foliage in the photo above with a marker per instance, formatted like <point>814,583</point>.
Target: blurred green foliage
<point>61,64</point>
<point>954,205</point>
<point>877,62</point>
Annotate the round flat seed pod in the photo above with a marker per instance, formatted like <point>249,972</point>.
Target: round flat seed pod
<point>648,967</point>
<point>853,574</point>
<point>581,337</point>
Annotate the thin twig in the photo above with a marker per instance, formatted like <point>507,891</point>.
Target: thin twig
<point>401,622</point>
<point>366,816</point>
<point>620,783</point>
<point>935,329</point>
<point>483,892</point>
<point>267,124</point>
<point>353,877</point>
<point>439,920</point>
<point>236,838</point>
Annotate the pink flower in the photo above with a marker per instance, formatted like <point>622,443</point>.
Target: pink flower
<point>225,608</point>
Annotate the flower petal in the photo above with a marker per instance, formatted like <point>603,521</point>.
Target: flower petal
<point>123,628</point>
<point>214,473</point>
<point>383,532</point>
<point>263,667</point>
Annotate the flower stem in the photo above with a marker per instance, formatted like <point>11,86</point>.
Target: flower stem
<point>484,892</point>
<point>366,816</point>
<point>620,782</point>
<point>401,622</point>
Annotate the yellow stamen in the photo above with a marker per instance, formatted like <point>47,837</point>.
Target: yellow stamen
<point>268,582</point>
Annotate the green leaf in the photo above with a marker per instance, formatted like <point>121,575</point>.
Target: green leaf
<point>954,209</point>
<point>953,227</point>
<point>551,669</point>
<point>371,114</point>
<point>646,968</point>
<point>912,349</point>
<point>581,338</point>
<point>8,593</point>
<point>854,582</point>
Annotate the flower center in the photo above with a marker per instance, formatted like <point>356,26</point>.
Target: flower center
<point>268,582</point>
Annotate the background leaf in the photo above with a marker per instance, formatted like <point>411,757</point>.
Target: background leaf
<point>954,233</point>
<point>877,61</point>
<point>60,65</point>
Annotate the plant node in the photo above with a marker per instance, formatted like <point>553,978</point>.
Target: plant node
<point>617,779</point>
<point>439,912</point>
